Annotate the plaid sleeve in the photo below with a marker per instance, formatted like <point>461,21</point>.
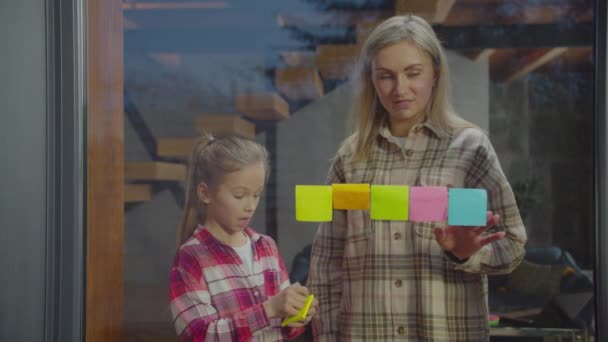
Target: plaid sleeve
<point>324,277</point>
<point>194,316</point>
<point>504,255</point>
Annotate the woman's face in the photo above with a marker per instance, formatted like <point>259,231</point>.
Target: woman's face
<point>404,77</point>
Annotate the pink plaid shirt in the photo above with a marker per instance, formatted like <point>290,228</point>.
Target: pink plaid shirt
<point>213,296</point>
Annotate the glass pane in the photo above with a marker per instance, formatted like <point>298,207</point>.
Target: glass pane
<point>278,72</point>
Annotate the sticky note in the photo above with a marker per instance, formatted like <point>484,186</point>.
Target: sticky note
<point>389,202</point>
<point>301,315</point>
<point>313,203</point>
<point>467,207</point>
<point>428,203</point>
<point>351,196</point>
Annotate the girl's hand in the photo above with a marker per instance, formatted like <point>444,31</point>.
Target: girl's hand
<point>287,302</point>
<point>463,242</point>
<point>311,313</point>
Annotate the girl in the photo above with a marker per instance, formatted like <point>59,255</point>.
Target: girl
<point>385,280</point>
<point>228,282</point>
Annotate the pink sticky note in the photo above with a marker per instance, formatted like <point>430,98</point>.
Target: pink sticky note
<point>428,203</point>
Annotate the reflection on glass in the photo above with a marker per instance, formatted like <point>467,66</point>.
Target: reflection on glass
<point>277,72</point>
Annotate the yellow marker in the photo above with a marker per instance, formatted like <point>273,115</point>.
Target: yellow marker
<point>301,315</point>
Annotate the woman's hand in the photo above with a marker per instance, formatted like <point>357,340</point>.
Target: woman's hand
<point>464,241</point>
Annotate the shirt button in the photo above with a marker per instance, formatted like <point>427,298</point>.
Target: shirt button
<point>409,153</point>
<point>417,129</point>
<point>401,330</point>
<point>398,283</point>
<point>397,236</point>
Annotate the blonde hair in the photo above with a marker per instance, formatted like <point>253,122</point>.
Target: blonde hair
<point>368,114</point>
<point>210,160</point>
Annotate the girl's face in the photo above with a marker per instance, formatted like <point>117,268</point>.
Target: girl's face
<point>403,77</point>
<point>231,204</point>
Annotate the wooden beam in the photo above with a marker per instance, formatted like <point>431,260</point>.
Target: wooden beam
<point>217,125</point>
<point>224,124</point>
<point>434,11</point>
<point>299,83</point>
<point>336,62</point>
<point>262,106</point>
<point>521,63</point>
<point>155,171</point>
<point>138,193</point>
<point>180,148</point>
<point>103,311</point>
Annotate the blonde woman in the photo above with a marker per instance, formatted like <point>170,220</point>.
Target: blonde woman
<point>418,281</point>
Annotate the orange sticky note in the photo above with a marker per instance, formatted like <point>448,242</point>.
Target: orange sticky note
<point>351,196</point>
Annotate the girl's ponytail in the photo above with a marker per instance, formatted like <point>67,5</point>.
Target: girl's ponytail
<point>194,211</point>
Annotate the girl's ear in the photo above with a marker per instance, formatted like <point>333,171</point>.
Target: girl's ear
<point>202,192</point>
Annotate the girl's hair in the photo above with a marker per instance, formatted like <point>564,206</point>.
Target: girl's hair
<point>368,114</point>
<point>211,159</point>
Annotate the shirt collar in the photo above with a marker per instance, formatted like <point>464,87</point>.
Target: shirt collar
<point>434,129</point>
<point>203,234</point>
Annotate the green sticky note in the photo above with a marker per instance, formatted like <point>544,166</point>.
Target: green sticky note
<point>390,202</point>
<point>313,203</point>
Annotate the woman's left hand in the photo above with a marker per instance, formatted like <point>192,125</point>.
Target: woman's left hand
<point>463,242</point>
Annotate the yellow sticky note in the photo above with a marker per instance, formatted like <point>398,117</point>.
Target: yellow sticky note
<point>390,202</point>
<point>313,203</point>
<point>301,314</point>
<point>351,196</point>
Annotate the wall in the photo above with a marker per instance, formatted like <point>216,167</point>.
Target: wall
<point>23,148</point>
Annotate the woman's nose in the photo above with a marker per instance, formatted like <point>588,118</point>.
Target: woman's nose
<point>401,85</point>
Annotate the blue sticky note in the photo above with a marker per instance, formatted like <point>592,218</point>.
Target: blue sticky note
<point>467,207</point>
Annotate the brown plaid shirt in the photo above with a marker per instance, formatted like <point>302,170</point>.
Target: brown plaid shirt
<point>390,280</point>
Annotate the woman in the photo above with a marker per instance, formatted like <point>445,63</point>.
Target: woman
<point>380,280</point>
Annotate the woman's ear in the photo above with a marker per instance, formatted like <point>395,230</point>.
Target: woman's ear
<point>202,192</point>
